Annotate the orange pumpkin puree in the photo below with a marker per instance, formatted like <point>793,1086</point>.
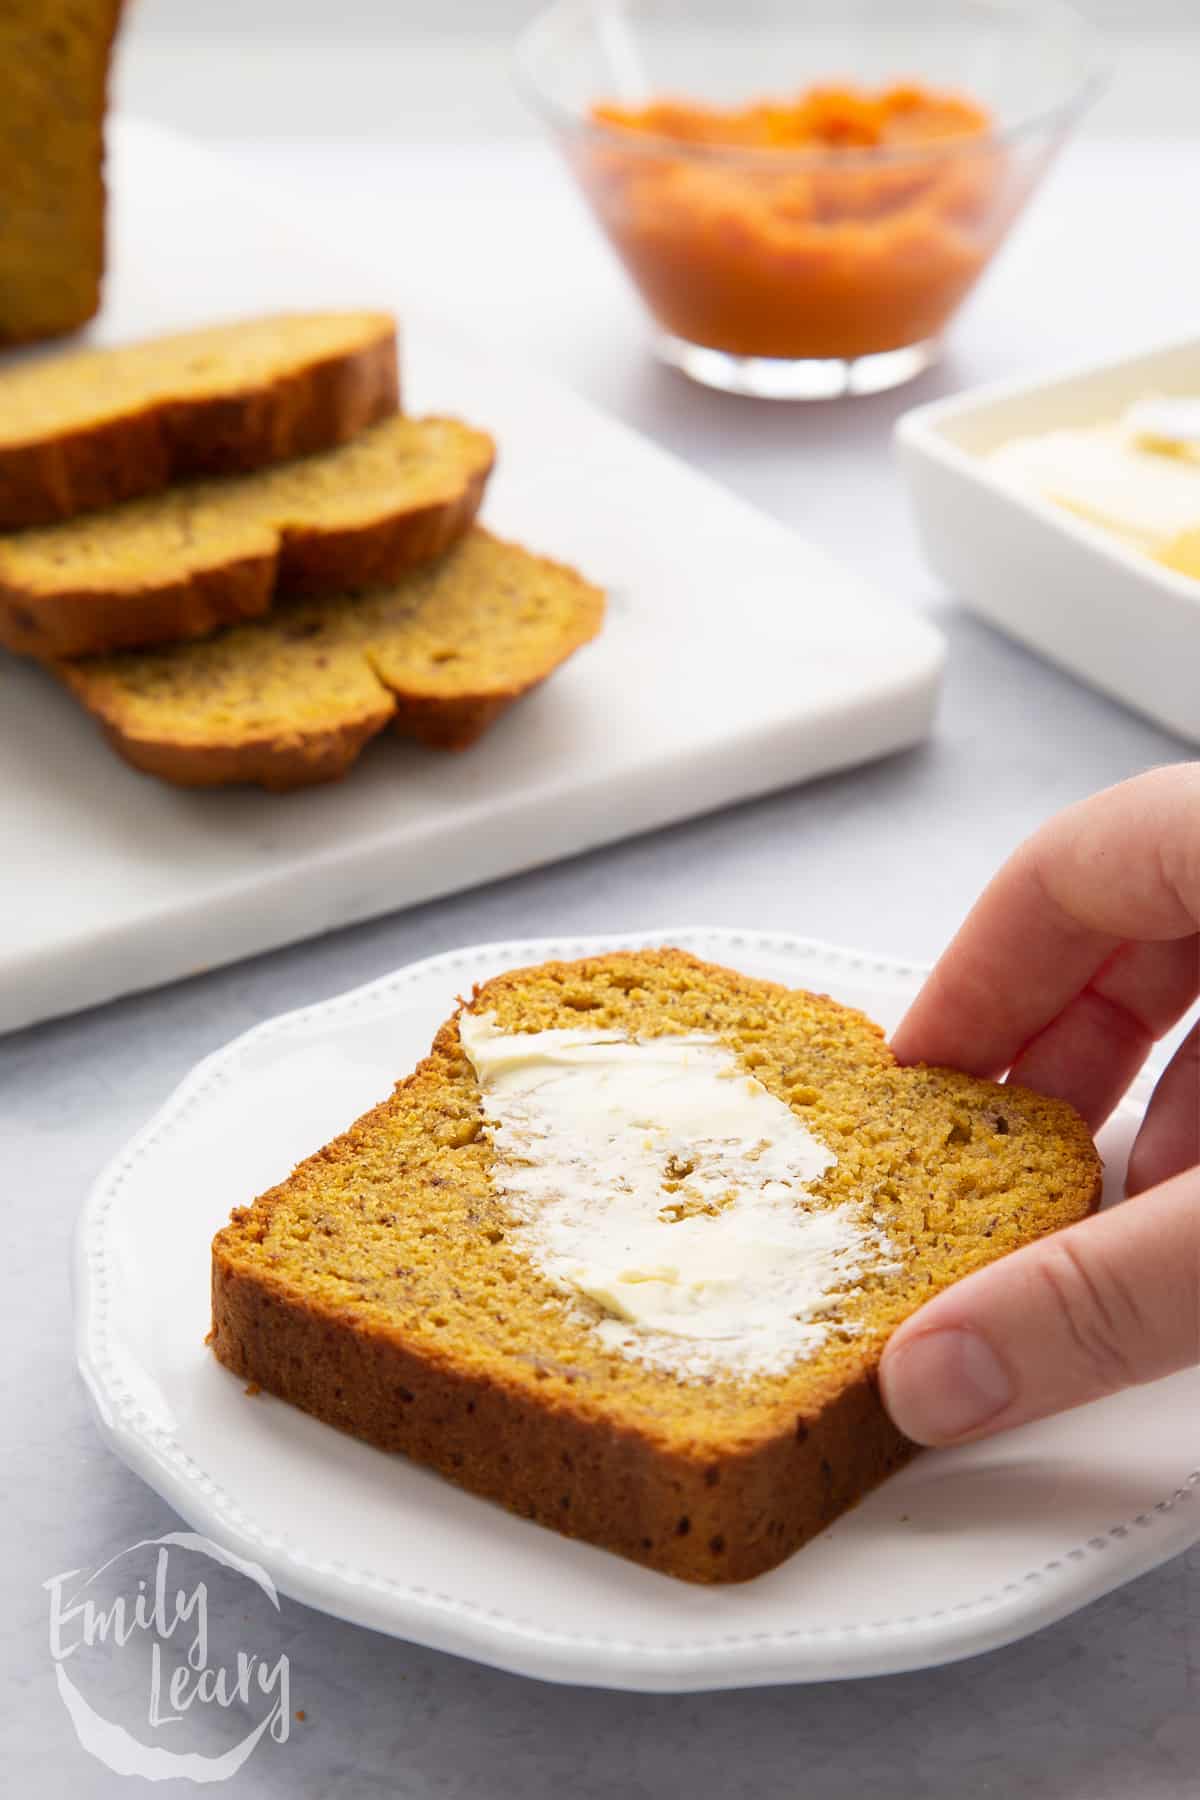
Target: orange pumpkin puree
<point>837,256</point>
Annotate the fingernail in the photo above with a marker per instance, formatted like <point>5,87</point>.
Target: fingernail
<point>944,1384</point>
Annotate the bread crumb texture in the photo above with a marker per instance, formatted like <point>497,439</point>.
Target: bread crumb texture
<point>378,1288</point>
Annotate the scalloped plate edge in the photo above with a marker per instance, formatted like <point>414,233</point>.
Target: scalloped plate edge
<point>1044,1595</point>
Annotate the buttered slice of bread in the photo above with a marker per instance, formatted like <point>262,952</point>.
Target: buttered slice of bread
<point>291,699</point>
<point>527,1267</point>
<point>97,427</point>
<point>179,564</point>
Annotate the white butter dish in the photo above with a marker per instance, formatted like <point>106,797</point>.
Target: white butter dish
<point>1072,590</point>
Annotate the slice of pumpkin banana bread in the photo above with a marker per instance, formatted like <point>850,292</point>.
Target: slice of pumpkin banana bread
<point>90,429</point>
<point>623,1253</point>
<point>291,699</point>
<point>181,563</point>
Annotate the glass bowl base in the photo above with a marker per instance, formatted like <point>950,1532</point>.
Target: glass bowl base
<point>798,378</point>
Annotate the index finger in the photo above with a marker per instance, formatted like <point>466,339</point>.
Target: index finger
<point>1124,865</point>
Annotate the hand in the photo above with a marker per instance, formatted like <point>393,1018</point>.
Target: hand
<point>1082,951</point>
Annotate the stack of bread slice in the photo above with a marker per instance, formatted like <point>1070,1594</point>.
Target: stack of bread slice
<point>245,561</point>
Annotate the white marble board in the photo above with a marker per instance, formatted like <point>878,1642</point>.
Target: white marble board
<point>736,659</point>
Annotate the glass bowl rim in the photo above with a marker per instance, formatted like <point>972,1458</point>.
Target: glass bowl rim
<point>1039,13</point>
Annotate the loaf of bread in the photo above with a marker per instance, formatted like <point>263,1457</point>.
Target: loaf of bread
<point>54,64</point>
<point>418,1282</point>
<point>291,699</point>
<point>181,563</point>
<point>96,427</point>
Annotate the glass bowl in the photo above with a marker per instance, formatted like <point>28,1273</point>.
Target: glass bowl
<point>802,273</point>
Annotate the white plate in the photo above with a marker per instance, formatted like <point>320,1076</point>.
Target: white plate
<point>960,1552</point>
<point>736,659</point>
<point>1063,586</point>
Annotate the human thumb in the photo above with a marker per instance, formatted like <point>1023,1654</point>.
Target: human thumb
<point>1099,1306</point>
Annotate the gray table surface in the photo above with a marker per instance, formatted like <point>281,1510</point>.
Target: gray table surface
<point>1105,1706</point>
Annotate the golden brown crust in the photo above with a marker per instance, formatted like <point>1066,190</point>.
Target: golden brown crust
<point>701,1519</point>
<point>451,724</point>
<point>301,759</point>
<point>377,1287</point>
<point>315,406</point>
<point>308,561</point>
<point>280,765</point>
<point>82,622</point>
<point>315,562</point>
